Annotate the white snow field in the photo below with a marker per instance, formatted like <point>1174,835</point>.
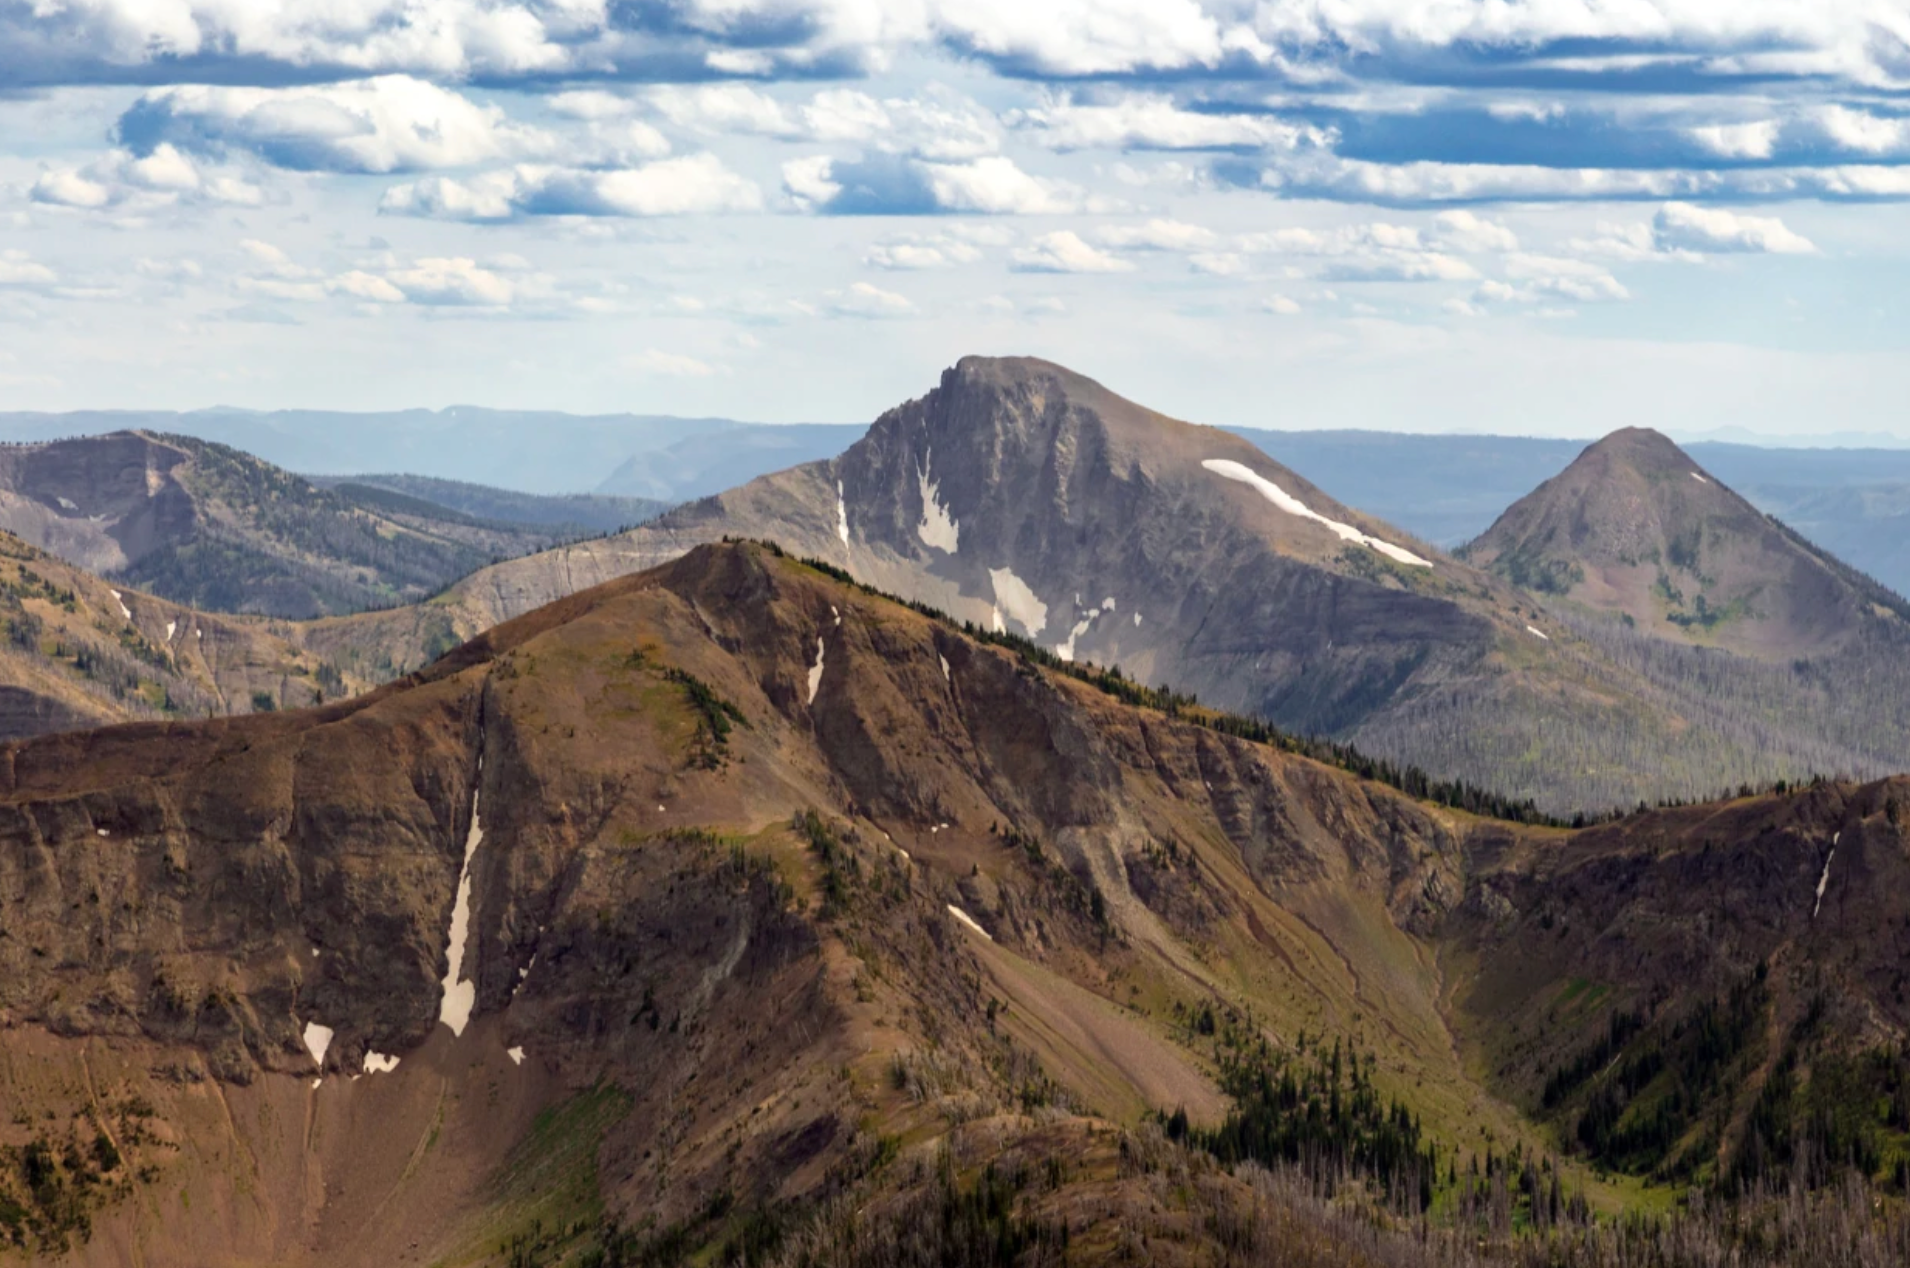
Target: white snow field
<point>938,528</point>
<point>1230,470</point>
<point>1017,601</point>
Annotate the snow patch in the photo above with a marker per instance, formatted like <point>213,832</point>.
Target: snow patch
<point>1107,604</point>
<point>317,1039</point>
<point>379,1063</point>
<point>842,515</point>
<point>1230,470</point>
<point>944,660</point>
<point>938,528</point>
<point>170,627</point>
<point>516,1055</point>
<point>1538,633</point>
<point>1013,597</point>
<point>454,1010</point>
<point>101,831</point>
<point>1137,620</point>
<point>968,920</point>
<point>1700,479</point>
<point>1066,650</point>
<point>121,600</point>
<point>815,673</point>
<point>316,1082</point>
<point>1823,881</point>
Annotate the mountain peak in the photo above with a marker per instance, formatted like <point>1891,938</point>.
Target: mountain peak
<point>1634,527</point>
<point>1641,448</point>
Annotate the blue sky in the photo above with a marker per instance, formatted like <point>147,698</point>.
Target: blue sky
<point>1551,217</point>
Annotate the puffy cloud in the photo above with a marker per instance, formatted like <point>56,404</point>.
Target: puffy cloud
<point>393,123</point>
<point>1157,235</point>
<point>1089,37</point>
<point>1218,263</point>
<point>892,185</point>
<point>432,281</point>
<point>19,269</point>
<point>453,280</point>
<point>1280,305</point>
<point>1386,265</point>
<point>909,252</point>
<point>694,184</point>
<point>121,179</point>
<point>861,299</point>
<point>1063,251</point>
<point>996,186</point>
<point>357,284</point>
<point>1539,276</point>
<point>592,104</point>
<point>1465,231</point>
<point>939,125</point>
<point>1856,130</point>
<point>1755,140</point>
<point>1376,252</point>
<point>1156,122</point>
<point>1681,226</point>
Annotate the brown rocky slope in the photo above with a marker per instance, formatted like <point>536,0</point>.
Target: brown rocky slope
<point>766,881</point>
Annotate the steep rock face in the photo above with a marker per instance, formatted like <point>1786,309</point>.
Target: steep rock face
<point>1635,527</point>
<point>99,503</point>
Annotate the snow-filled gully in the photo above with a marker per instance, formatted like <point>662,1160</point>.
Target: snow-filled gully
<point>1230,470</point>
<point>454,1010</point>
<point>1823,881</point>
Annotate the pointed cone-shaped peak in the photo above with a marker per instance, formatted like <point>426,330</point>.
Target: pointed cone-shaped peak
<point>1635,527</point>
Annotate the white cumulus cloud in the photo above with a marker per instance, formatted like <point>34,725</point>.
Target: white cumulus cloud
<point>695,184</point>
<point>1063,251</point>
<point>1683,226</point>
<point>391,123</point>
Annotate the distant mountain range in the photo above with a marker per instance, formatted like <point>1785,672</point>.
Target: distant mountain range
<point>530,451</point>
<point>215,528</point>
<point>1853,501</point>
